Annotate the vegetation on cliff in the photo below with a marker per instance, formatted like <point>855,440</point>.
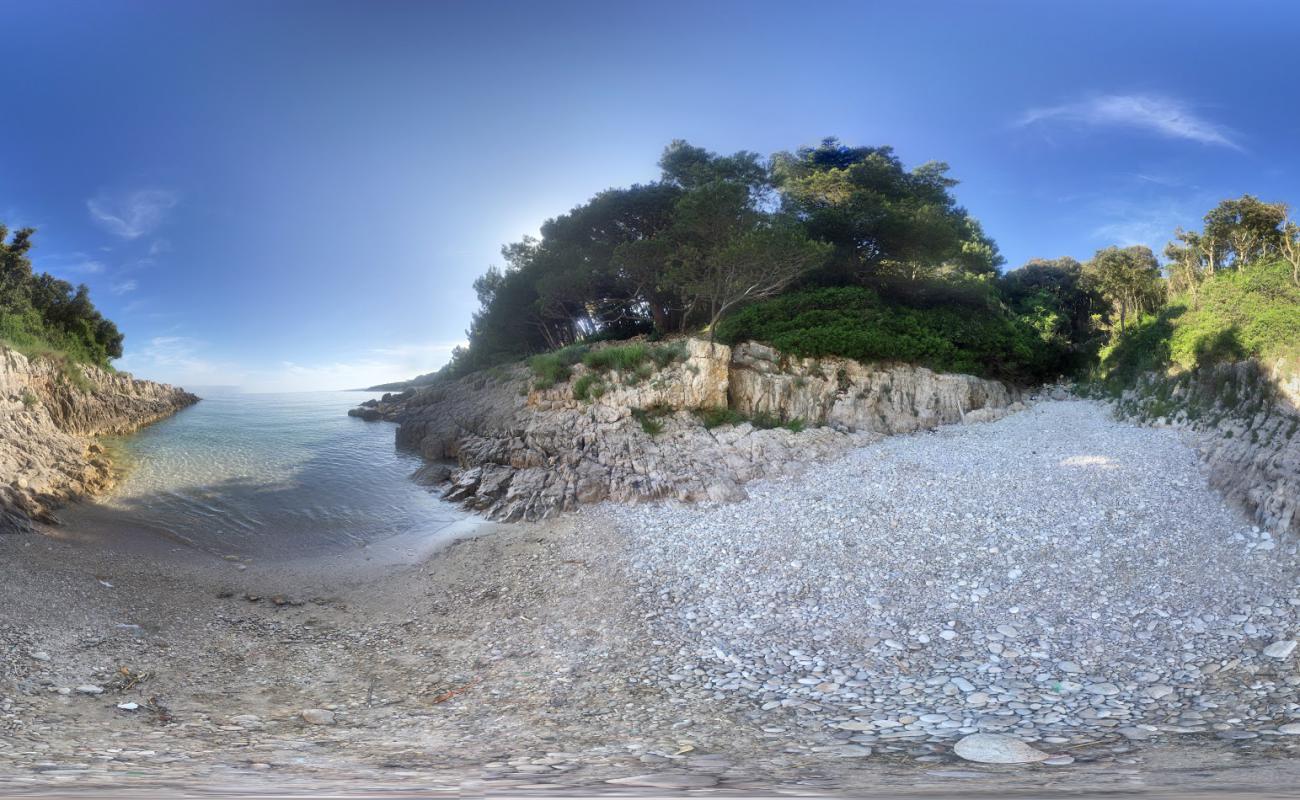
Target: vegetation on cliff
<point>980,338</point>
<point>1233,294</point>
<point>842,251</point>
<point>719,232</point>
<point>1247,312</point>
<point>42,315</point>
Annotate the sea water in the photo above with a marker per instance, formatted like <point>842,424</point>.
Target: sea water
<point>265,474</point>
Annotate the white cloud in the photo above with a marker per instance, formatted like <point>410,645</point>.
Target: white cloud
<point>71,264</point>
<point>1150,221</point>
<point>123,287</point>
<point>1165,116</point>
<point>132,214</point>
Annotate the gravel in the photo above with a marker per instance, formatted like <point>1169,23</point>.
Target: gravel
<point>1052,575</point>
<point>740,647</point>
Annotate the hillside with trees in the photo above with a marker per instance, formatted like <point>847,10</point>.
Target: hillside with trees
<point>836,250</point>
<point>42,315</point>
<point>1232,292</point>
<point>718,234</point>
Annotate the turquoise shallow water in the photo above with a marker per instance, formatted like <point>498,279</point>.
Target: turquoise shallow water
<point>267,474</point>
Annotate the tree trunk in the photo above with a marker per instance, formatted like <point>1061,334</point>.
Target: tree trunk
<point>660,316</point>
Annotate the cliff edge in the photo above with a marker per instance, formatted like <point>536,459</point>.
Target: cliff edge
<point>695,428</point>
<point>1247,416</point>
<point>48,422</point>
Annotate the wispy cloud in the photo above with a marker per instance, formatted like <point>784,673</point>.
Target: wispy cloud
<point>131,214</point>
<point>123,287</point>
<point>1157,114</point>
<point>71,265</point>
<point>1149,220</point>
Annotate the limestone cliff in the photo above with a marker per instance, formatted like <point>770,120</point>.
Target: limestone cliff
<point>503,448</point>
<point>1247,415</point>
<point>850,396</point>
<point>48,421</point>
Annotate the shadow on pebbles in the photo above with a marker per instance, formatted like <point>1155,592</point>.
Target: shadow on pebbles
<point>1056,590</point>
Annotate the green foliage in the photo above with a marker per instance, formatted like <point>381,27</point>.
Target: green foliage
<point>29,398</point>
<point>551,368</point>
<point>1143,348</point>
<point>588,387</point>
<point>717,417</point>
<point>853,322</point>
<point>1055,298</point>
<point>649,418</point>
<point>664,355</point>
<point>1128,278</point>
<point>879,215</point>
<point>623,358</point>
<point>42,315</point>
<point>1253,312</point>
<point>717,231</point>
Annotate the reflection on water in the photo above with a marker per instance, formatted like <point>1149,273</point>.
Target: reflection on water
<point>272,474</point>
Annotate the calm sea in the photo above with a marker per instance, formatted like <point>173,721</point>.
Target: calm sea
<point>266,474</point>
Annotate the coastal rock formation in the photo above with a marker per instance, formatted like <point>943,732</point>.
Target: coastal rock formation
<point>47,420</point>
<point>1248,417</point>
<point>850,396</point>
<point>515,452</point>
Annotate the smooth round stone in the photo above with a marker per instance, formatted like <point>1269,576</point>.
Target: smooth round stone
<point>994,748</point>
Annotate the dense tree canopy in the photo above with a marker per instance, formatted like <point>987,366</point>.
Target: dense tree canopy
<point>878,215</point>
<point>716,232</point>
<point>1059,300</point>
<point>1128,278</point>
<point>39,312</point>
<point>839,250</point>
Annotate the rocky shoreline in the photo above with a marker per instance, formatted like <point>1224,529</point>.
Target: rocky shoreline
<point>49,419</point>
<point>513,451</point>
<point>843,633</point>
<point>1247,417</point>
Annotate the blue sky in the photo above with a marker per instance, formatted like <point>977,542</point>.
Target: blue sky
<point>284,195</point>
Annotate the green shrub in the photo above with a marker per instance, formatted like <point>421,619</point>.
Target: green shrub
<point>29,398</point>
<point>664,355</point>
<point>621,357</point>
<point>649,418</point>
<point>588,387</point>
<point>1236,314</point>
<point>795,425</point>
<point>555,367</point>
<point>853,322</point>
<point>717,417</point>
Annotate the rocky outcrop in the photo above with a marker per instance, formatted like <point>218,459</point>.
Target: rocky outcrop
<point>1247,415</point>
<point>48,418</point>
<point>850,396</point>
<point>501,447</point>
